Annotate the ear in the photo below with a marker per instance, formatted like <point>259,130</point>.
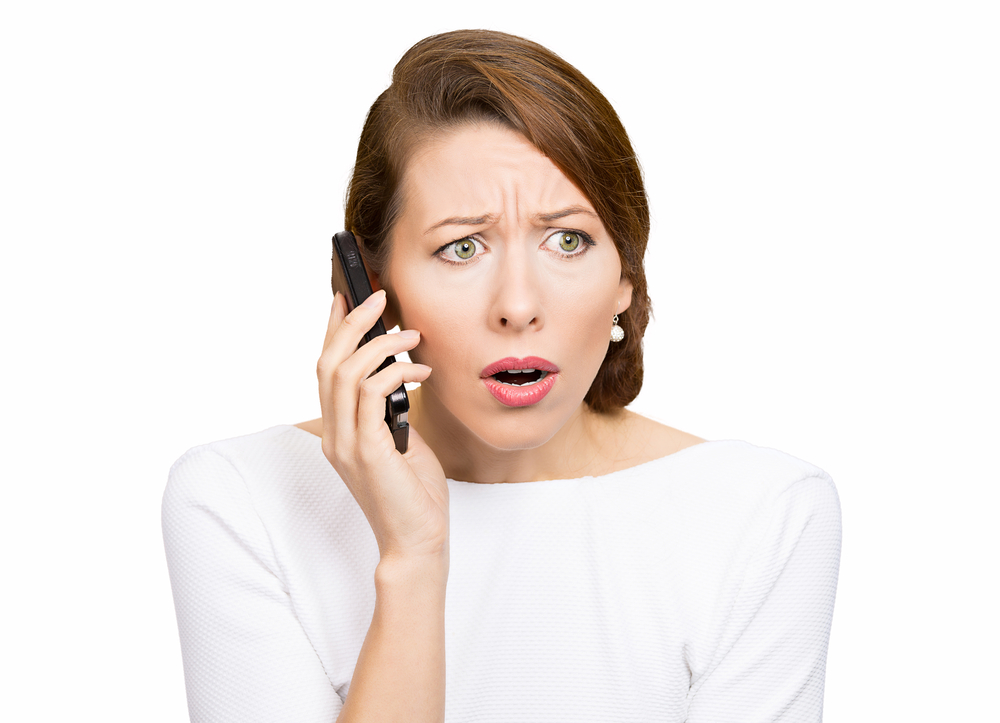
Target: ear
<point>624,294</point>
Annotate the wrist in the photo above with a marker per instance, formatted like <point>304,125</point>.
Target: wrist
<point>410,571</point>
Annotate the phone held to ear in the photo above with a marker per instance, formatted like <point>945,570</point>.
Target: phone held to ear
<point>350,279</point>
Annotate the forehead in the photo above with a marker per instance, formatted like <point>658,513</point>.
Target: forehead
<point>480,169</point>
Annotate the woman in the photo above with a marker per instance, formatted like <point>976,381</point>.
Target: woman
<point>590,564</point>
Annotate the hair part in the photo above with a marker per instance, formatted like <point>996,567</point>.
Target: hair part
<point>469,76</point>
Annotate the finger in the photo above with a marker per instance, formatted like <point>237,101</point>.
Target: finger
<point>340,385</point>
<point>338,310</point>
<point>343,339</point>
<point>344,389</point>
<point>375,389</point>
<point>337,347</point>
<point>361,319</point>
<point>367,359</point>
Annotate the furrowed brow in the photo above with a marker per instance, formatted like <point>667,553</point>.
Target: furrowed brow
<point>569,211</point>
<point>463,221</point>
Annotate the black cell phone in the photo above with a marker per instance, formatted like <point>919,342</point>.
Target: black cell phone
<point>350,279</point>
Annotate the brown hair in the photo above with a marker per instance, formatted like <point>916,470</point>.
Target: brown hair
<point>479,75</point>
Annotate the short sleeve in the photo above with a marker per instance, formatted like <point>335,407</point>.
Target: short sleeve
<point>246,657</point>
<point>771,661</point>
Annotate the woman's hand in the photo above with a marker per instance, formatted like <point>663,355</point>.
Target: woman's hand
<point>404,497</point>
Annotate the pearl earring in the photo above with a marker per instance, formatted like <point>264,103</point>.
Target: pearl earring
<point>617,333</point>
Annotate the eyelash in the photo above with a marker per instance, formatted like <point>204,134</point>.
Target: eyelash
<point>584,237</point>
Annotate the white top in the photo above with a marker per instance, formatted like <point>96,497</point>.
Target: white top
<point>696,587</point>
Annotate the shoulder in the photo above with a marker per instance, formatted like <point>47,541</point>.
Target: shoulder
<point>256,470</point>
<point>210,522</point>
<point>742,510</point>
<point>720,515</point>
<point>736,493</point>
<point>740,471</point>
<point>754,465</point>
<point>716,469</point>
<point>222,462</point>
<point>264,443</point>
<point>723,461</point>
<point>275,483</point>
<point>729,484</point>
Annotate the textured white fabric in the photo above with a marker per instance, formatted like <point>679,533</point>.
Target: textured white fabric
<point>698,587</point>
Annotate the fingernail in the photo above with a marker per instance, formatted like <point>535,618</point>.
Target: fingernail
<point>409,334</point>
<point>375,300</point>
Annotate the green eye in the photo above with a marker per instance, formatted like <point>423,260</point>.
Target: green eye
<point>465,249</point>
<point>569,241</point>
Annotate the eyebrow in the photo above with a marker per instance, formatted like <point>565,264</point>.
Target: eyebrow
<point>492,218</point>
<point>568,211</point>
<point>463,221</point>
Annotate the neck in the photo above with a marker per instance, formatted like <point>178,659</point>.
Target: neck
<point>585,445</point>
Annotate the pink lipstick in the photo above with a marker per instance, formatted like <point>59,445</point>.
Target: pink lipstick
<point>520,382</point>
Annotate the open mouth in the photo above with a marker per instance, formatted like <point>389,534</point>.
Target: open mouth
<point>520,377</point>
<point>520,382</point>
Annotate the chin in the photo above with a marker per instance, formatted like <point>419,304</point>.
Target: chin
<point>512,429</point>
<point>520,433</point>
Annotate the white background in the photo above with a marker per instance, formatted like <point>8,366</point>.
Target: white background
<point>825,183</point>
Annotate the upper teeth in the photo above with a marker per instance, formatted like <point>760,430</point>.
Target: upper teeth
<point>520,371</point>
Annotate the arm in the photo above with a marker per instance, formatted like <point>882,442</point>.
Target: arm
<point>772,655</point>
<point>400,673</point>
<point>246,658</point>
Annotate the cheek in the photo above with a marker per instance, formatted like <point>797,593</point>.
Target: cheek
<point>585,328</point>
<point>587,305</point>
<point>445,330</point>
<point>442,348</point>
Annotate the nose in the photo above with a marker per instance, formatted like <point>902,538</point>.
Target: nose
<point>517,300</point>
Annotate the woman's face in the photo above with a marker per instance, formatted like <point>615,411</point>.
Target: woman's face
<point>503,266</point>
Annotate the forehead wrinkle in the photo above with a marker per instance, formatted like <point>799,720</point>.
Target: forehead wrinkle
<point>546,195</point>
<point>517,203</point>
